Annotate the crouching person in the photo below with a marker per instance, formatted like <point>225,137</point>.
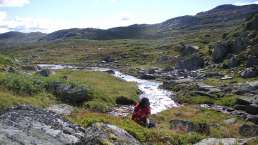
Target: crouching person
<point>142,113</point>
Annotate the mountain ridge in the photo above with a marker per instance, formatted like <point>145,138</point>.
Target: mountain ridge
<point>220,16</point>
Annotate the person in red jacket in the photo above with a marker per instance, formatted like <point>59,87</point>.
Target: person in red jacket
<point>142,112</point>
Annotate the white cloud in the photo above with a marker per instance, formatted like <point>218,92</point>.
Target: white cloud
<point>3,15</point>
<point>13,3</point>
<point>246,3</point>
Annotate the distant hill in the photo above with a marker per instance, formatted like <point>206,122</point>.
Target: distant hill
<point>18,37</point>
<point>224,16</point>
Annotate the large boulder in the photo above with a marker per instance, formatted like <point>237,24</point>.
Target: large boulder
<point>69,93</point>
<point>31,126</point>
<point>100,133</point>
<point>188,126</point>
<point>192,62</point>
<point>220,51</point>
<point>249,73</point>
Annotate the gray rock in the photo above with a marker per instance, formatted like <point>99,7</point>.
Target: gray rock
<point>30,68</point>
<point>32,126</point>
<point>230,121</point>
<point>251,61</point>
<point>251,109</point>
<point>222,141</point>
<point>166,59</point>
<point>192,62</point>
<point>61,109</point>
<point>248,130</point>
<point>249,73</point>
<point>220,51</point>
<point>232,62</point>
<point>11,69</point>
<point>69,93</point>
<point>255,100</point>
<point>252,118</point>
<point>188,49</point>
<point>207,88</point>
<point>45,72</point>
<point>188,126</point>
<point>100,133</point>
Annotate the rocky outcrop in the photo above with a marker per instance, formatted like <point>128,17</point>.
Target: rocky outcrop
<point>101,133</point>
<point>32,126</point>
<point>188,126</point>
<point>192,62</point>
<point>220,51</point>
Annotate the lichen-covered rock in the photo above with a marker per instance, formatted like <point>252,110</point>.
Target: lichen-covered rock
<point>100,133</point>
<point>32,126</point>
<point>26,125</point>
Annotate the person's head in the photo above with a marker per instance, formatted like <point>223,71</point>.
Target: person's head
<point>144,102</point>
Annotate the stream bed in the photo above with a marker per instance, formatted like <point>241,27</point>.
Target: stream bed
<point>160,99</point>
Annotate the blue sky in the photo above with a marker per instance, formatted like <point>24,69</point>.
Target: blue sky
<point>51,15</point>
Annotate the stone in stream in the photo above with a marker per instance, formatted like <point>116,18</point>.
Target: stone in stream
<point>26,125</point>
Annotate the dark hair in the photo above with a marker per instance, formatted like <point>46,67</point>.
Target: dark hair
<point>144,102</point>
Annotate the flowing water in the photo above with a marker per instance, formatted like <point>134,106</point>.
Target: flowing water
<point>160,99</point>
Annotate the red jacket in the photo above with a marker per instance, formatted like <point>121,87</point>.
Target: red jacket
<point>141,114</point>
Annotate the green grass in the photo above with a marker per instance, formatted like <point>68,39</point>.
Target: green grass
<point>155,136</point>
<point>8,99</point>
<point>105,88</point>
<point>102,88</point>
<point>212,118</point>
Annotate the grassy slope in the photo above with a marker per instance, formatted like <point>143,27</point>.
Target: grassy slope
<point>162,134</point>
<point>31,89</point>
<point>105,88</point>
